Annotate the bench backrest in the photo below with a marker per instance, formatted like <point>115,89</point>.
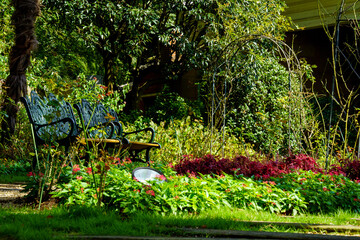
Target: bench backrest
<point>98,121</point>
<point>52,120</point>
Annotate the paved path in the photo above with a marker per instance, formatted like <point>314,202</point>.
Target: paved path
<point>11,191</point>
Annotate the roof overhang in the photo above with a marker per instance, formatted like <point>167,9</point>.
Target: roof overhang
<point>316,13</point>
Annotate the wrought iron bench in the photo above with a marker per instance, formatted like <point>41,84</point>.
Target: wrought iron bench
<point>51,120</point>
<point>111,132</point>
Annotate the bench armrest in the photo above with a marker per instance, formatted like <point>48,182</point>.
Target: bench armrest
<point>149,129</point>
<point>103,125</point>
<point>118,129</point>
<point>69,134</point>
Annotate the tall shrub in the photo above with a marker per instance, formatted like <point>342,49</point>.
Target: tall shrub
<point>256,79</point>
<point>261,110</point>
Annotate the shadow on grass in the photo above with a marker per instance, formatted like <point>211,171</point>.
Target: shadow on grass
<point>27,223</point>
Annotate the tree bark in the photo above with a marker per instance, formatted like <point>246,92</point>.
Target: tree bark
<point>109,67</point>
<point>23,19</point>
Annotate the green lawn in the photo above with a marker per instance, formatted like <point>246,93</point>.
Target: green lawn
<point>27,223</point>
<point>13,178</point>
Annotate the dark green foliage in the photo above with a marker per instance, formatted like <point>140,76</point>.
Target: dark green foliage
<point>178,195</point>
<point>133,38</point>
<point>63,55</point>
<point>323,193</point>
<point>125,41</point>
<point>13,171</point>
<point>8,167</point>
<point>170,105</point>
<point>259,104</point>
<point>6,37</point>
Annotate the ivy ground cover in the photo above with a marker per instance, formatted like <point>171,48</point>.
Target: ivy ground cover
<point>290,186</point>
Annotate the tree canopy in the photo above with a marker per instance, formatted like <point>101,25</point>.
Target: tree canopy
<point>133,38</point>
<point>145,42</point>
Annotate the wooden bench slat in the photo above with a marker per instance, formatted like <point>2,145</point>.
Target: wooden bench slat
<point>133,145</point>
<point>139,145</point>
<point>96,116</point>
<point>100,140</point>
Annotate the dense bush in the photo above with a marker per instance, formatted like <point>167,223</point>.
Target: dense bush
<point>322,192</point>
<point>260,105</point>
<point>6,36</point>
<point>188,137</point>
<point>178,194</point>
<point>350,167</point>
<point>242,165</point>
<point>257,107</point>
<point>170,105</point>
<point>9,167</point>
<point>288,193</point>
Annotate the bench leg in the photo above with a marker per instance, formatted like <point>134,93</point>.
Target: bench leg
<point>34,162</point>
<point>67,154</point>
<point>134,156</point>
<point>147,156</point>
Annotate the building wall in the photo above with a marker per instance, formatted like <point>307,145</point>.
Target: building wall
<point>314,46</point>
<point>310,41</point>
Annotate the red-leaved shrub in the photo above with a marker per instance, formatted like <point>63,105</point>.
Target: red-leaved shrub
<point>351,168</point>
<point>303,162</point>
<point>242,165</point>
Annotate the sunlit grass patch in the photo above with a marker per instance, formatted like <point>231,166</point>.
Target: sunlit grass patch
<point>27,223</point>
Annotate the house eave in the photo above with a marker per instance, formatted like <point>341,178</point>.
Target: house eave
<point>310,14</point>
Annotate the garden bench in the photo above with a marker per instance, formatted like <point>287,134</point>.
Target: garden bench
<point>102,126</point>
<point>51,120</point>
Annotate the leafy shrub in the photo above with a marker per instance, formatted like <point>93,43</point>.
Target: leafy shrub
<point>322,192</point>
<point>286,188</point>
<point>242,165</point>
<point>247,193</point>
<point>81,88</point>
<point>301,162</point>
<point>260,105</point>
<point>20,146</point>
<point>6,37</point>
<point>170,105</point>
<point>93,91</point>
<point>349,167</point>
<point>178,194</point>
<point>191,137</point>
<point>135,120</point>
<point>11,167</point>
<point>43,177</point>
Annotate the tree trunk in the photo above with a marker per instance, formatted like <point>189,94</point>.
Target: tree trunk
<point>23,18</point>
<point>132,98</point>
<point>143,79</point>
<point>109,66</point>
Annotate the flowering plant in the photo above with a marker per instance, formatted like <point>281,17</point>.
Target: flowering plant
<point>292,191</point>
<point>179,193</point>
<point>45,174</point>
<point>323,192</point>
